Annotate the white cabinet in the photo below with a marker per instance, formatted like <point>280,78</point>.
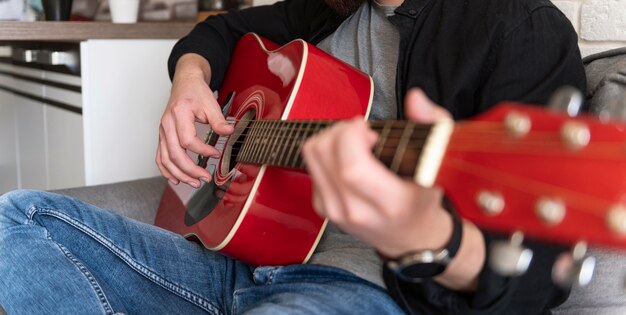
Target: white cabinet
<point>65,158</point>
<point>125,98</point>
<point>8,142</point>
<point>61,130</point>
<point>31,143</point>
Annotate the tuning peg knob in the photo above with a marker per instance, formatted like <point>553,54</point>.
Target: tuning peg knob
<point>510,258</point>
<point>566,99</point>
<point>573,269</point>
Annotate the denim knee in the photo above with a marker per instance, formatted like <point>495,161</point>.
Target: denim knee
<point>15,206</point>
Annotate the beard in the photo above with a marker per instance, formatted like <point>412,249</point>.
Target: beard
<point>344,7</point>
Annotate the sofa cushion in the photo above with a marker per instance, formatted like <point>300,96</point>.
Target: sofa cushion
<point>138,199</point>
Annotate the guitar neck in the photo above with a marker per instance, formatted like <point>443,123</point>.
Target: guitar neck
<point>279,143</point>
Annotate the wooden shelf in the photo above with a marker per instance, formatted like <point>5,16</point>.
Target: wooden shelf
<point>78,31</point>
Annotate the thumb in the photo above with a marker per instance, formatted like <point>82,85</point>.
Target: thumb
<point>216,119</point>
<point>420,108</point>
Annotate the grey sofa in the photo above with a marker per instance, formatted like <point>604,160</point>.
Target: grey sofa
<point>606,96</point>
<point>603,296</point>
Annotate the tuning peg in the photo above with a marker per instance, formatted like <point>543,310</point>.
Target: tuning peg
<point>510,258</point>
<point>566,99</point>
<point>573,269</point>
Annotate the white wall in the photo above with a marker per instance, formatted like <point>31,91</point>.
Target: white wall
<point>600,24</point>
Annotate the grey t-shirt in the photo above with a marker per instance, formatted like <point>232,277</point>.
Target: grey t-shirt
<point>369,42</point>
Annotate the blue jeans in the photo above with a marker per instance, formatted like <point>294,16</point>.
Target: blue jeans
<point>59,255</point>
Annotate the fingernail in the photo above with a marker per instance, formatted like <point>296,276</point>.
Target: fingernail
<point>173,182</point>
<point>193,184</point>
<point>204,179</point>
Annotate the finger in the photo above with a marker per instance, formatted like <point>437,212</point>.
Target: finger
<point>213,115</point>
<point>346,144</point>
<point>420,108</point>
<point>170,166</point>
<point>355,163</point>
<point>187,137</point>
<point>316,152</point>
<point>162,168</point>
<point>177,161</point>
<point>317,202</point>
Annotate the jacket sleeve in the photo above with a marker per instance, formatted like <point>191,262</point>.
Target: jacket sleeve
<point>531,293</point>
<point>215,38</point>
<point>528,65</point>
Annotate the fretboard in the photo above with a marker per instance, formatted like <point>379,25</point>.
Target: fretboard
<point>279,143</point>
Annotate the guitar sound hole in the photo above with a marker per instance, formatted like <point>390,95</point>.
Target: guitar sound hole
<point>236,148</point>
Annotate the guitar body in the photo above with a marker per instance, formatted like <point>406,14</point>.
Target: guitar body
<point>263,214</point>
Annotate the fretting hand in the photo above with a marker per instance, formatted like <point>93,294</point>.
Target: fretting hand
<point>360,195</point>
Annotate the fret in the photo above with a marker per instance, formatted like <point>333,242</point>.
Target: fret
<point>265,136</point>
<point>288,137</point>
<point>404,141</point>
<point>259,135</point>
<point>314,128</point>
<point>249,144</point>
<point>382,139</point>
<point>271,142</point>
<point>279,141</point>
<point>292,158</point>
<point>413,150</point>
<point>307,133</point>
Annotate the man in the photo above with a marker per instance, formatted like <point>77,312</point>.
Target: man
<point>464,56</point>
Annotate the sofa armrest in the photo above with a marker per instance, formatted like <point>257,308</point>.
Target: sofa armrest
<point>606,87</point>
<point>138,199</point>
<point>605,294</point>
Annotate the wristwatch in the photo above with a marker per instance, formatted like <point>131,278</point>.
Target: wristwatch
<point>423,264</point>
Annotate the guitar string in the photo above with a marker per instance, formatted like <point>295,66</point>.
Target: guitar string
<point>479,146</point>
<point>523,185</point>
<point>482,172</point>
<point>538,137</point>
<point>514,182</point>
<point>462,137</point>
<point>526,147</point>
<point>413,147</point>
<point>401,124</point>
<point>522,144</point>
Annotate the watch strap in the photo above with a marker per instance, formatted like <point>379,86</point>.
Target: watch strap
<point>416,265</point>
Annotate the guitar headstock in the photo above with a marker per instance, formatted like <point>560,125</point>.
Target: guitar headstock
<point>544,173</point>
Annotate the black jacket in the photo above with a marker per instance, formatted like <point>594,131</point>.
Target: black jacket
<point>466,55</point>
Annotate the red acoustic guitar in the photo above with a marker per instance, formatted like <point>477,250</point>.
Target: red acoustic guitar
<point>514,168</point>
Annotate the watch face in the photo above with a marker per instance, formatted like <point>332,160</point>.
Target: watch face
<point>419,271</point>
